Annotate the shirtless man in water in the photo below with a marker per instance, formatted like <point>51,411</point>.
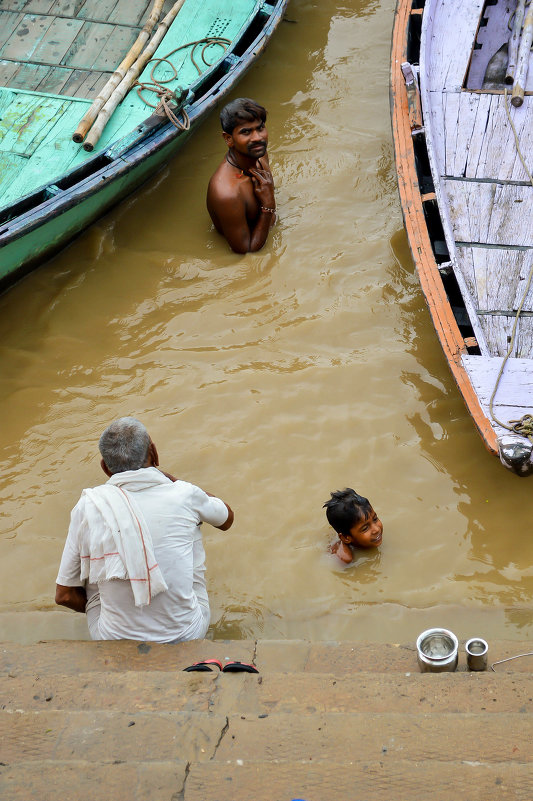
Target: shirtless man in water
<point>240,195</point>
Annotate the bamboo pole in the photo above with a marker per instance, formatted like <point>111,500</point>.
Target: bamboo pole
<point>514,40</point>
<point>522,62</point>
<point>130,77</point>
<point>81,131</point>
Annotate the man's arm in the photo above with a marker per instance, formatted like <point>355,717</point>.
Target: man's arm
<point>71,597</point>
<point>230,518</point>
<point>228,211</point>
<point>229,521</point>
<point>231,216</point>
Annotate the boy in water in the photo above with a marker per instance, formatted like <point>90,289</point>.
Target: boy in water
<point>355,521</point>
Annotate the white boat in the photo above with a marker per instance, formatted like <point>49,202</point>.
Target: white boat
<point>462,111</point>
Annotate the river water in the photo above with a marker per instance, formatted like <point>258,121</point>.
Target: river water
<point>269,379</point>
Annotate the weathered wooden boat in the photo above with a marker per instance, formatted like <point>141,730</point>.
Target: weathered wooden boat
<point>56,57</point>
<point>462,111</point>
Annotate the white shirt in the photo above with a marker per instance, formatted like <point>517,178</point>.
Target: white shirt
<point>173,512</point>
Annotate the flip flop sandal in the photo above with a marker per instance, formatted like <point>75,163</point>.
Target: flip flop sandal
<point>239,667</point>
<point>204,667</point>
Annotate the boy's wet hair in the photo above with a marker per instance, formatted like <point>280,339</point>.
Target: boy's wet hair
<point>345,509</point>
<point>238,110</point>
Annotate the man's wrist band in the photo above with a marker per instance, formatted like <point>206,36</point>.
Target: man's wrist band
<point>270,211</point>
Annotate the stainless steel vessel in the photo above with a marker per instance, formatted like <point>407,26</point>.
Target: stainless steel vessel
<point>476,653</point>
<point>437,651</point>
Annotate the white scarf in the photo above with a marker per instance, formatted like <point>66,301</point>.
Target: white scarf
<point>117,543</point>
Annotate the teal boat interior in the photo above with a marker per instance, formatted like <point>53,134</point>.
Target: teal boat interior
<point>55,57</point>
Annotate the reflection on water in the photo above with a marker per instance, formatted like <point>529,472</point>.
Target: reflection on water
<point>269,379</point>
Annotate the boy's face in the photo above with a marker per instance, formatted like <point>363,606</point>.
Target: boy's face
<point>367,533</point>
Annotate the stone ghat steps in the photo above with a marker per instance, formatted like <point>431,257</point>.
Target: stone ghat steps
<point>349,780</point>
<point>321,722</point>
<point>281,656</point>
<point>298,694</point>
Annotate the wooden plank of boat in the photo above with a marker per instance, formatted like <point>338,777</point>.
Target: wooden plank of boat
<point>467,200</point>
<point>55,57</point>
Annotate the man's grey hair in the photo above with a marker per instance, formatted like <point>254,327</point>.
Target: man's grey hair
<point>124,445</point>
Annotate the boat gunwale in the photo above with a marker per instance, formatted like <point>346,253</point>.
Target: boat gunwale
<point>445,324</point>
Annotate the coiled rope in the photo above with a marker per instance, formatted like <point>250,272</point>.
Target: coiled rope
<point>164,94</point>
<point>523,426</point>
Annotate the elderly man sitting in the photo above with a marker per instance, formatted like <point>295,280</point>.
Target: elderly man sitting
<point>134,559</point>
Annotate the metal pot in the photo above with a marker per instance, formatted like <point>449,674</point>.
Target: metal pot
<point>437,651</point>
<point>476,653</point>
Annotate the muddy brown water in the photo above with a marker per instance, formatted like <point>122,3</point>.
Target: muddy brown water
<point>269,379</point>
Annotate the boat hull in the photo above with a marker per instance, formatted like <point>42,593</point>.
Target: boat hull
<point>40,225</point>
<point>413,199</point>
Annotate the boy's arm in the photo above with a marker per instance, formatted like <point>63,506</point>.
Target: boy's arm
<point>342,551</point>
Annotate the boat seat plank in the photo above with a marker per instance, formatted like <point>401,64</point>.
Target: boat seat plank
<point>129,12</point>
<point>6,99</point>
<point>13,5</point>
<point>478,116</point>
<point>26,37</point>
<point>450,139</point>
<point>97,9</point>
<point>516,386</point>
<point>67,8</point>
<point>118,44</point>
<point>75,85</point>
<point>9,20</point>
<point>53,149</point>
<point>85,84</point>
<point>496,277</point>
<point>38,6</point>
<point>450,55</point>
<point>485,213</point>
<point>7,71</point>
<point>26,122</point>
<point>472,137</point>
<point>499,156</point>
<point>88,45</point>
<point>28,76</point>
<point>28,6</point>
<point>12,166</point>
<point>498,330</point>
<point>53,82</point>
<point>56,41</point>
<point>167,5</point>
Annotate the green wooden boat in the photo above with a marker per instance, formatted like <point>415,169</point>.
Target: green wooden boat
<point>56,57</point>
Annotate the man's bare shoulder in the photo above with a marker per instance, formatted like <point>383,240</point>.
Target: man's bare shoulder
<point>223,185</point>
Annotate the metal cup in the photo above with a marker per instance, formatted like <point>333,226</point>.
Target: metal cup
<point>437,651</point>
<point>476,653</point>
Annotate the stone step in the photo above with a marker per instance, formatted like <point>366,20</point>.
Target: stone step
<point>280,656</point>
<point>322,721</point>
<point>81,780</point>
<point>342,780</point>
<point>298,693</point>
<point>366,737</point>
<point>347,781</point>
<point>201,737</point>
<point>110,736</point>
